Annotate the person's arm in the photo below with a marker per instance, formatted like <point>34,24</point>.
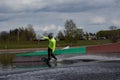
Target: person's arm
<point>53,49</point>
<point>45,37</point>
<point>54,45</point>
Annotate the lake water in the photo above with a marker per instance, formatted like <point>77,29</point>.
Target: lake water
<point>11,66</point>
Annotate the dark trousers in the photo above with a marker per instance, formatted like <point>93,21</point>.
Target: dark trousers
<point>50,54</point>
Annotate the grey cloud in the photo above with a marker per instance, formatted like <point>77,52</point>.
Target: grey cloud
<point>117,3</point>
<point>47,12</point>
<point>57,6</point>
<point>5,17</point>
<point>76,6</point>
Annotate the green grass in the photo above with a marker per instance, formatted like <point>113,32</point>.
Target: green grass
<point>19,45</point>
<point>44,44</point>
<point>83,43</point>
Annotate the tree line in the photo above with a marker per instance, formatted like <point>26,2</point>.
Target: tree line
<point>113,34</point>
<point>71,33</point>
<point>18,34</point>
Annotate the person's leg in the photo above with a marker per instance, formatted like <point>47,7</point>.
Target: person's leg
<point>49,54</point>
<point>55,62</point>
<point>52,54</point>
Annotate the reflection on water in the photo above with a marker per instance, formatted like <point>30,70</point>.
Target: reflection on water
<point>6,61</point>
<point>11,62</point>
<point>29,65</point>
<point>11,66</point>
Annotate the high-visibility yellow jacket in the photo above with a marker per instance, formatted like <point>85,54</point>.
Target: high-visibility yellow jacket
<point>52,43</point>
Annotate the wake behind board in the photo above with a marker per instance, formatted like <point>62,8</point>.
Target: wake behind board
<point>51,63</point>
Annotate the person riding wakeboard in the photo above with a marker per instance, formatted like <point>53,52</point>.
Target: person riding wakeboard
<point>51,46</point>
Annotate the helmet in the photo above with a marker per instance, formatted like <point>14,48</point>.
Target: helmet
<point>50,35</point>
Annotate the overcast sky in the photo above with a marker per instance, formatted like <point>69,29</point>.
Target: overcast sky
<point>51,15</point>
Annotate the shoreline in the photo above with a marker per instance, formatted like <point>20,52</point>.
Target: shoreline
<point>21,50</point>
<point>111,47</point>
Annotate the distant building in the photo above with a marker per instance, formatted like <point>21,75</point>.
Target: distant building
<point>89,37</point>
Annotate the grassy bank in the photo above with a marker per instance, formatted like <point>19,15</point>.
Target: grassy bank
<point>44,44</point>
<point>20,45</point>
<point>84,42</point>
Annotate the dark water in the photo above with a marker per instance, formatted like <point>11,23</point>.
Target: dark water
<point>14,68</point>
<point>9,62</point>
<point>79,71</point>
<point>6,61</point>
